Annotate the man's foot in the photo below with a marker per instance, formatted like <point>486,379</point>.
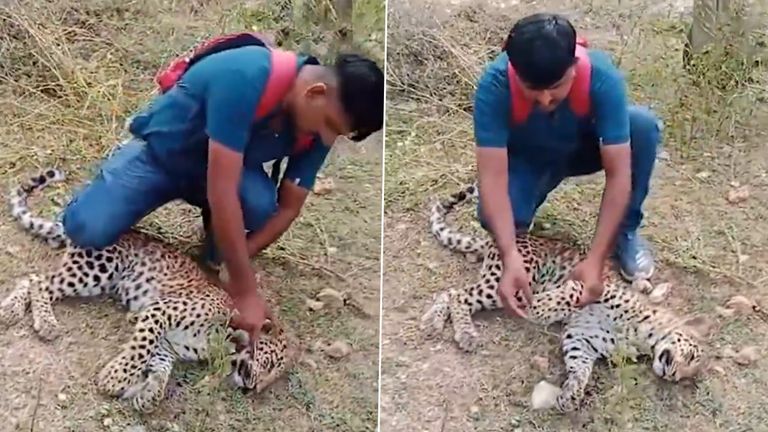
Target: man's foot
<point>634,256</point>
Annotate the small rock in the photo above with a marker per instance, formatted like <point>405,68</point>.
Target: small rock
<point>474,409</point>
<point>314,305</point>
<point>323,186</point>
<point>741,304</point>
<point>663,155</point>
<point>540,363</point>
<point>643,286</point>
<point>331,297</point>
<point>747,356</point>
<point>309,363</point>
<point>332,250</point>
<point>61,397</point>
<point>743,258</point>
<point>659,292</point>
<point>703,174</point>
<point>738,195</point>
<point>135,428</point>
<point>338,349</point>
<point>107,421</point>
<point>544,395</point>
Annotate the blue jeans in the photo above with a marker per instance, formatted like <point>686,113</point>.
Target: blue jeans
<point>130,185</point>
<point>529,185</point>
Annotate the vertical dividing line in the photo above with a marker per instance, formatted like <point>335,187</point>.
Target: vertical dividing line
<point>381,235</point>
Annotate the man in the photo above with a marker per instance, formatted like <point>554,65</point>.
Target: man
<point>519,163</point>
<point>199,142</point>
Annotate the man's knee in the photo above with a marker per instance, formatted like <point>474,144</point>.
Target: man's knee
<point>85,229</point>
<point>645,129</point>
<point>258,207</point>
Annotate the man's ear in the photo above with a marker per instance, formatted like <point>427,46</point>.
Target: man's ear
<point>315,90</point>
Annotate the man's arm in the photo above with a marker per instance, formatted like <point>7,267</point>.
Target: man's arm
<point>611,115</point>
<point>224,172</point>
<point>231,98</point>
<point>497,209</point>
<point>291,199</point>
<point>618,185</point>
<point>491,126</point>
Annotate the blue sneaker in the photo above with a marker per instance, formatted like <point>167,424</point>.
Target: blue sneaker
<point>634,256</point>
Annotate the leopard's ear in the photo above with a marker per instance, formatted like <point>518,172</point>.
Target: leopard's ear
<point>268,326</point>
<point>699,326</point>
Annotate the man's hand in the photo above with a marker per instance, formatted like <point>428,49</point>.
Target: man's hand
<point>251,311</point>
<point>590,273</point>
<point>514,280</point>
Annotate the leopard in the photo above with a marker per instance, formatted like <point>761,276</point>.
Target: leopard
<point>620,318</point>
<point>174,305</point>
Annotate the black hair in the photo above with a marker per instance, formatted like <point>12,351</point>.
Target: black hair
<point>361,91</point>
<point>541,47</point>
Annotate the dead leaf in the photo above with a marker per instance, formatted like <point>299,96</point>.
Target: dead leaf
<point>323,186</point>
<point>331,297</point>
<point>309,363</point>
<point>540,363</point>
<point>747,356</point>
<point>659,292</point>
<point>338,349</point>
<point>544,395</point>
<point>314,305</point>
<point>739,194</point>
<point>742,305</point>
<point>724,312</point>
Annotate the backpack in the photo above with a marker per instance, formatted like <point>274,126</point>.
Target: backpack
<point>282,73</point>
<point>578,96</point>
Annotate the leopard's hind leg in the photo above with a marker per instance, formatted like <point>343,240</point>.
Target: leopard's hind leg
<point>586,338</point>
<point>433,321</point>
<point>465,303</point>
<point>15,305</point>
<point>147,394</point>
<point>81,273</point>
<point>125,370</point>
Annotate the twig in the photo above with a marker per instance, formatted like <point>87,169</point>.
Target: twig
<point>320,267</point>
<point>37,404</point>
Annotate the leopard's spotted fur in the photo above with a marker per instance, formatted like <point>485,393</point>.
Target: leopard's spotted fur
<point>173,303</point>
<point>590,333</point>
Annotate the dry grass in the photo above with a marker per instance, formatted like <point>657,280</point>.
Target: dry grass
<point>715,135</point>
<point>71,73</point>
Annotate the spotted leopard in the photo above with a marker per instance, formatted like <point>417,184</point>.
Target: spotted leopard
<point>620,317</point>
<point>174,306</point>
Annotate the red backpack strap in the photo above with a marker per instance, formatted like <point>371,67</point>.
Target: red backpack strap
<point>283,71</point>
<point>170,75</point>
<point>578,97</point>
<point>579,94</point>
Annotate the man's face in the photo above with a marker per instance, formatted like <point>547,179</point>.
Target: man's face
<point>548,99</point>
<point>316,109</point>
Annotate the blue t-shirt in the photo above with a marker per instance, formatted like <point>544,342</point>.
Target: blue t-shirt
<point>551,138</point>
<point>217,98</point>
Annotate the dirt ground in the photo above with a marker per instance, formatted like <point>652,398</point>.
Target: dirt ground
<point>716,124</point>
<point>71,72</point>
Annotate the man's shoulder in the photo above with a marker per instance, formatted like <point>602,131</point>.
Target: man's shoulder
<point>247,62</point>
<point>495,76</point>
<point>603,68</point>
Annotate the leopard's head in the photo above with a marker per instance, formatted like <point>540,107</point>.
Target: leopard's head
<point>678,356</point>
<point>255,368</point>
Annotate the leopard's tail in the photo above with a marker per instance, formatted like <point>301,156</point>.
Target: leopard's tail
<point>49,230</point>
<point>448,236</point>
